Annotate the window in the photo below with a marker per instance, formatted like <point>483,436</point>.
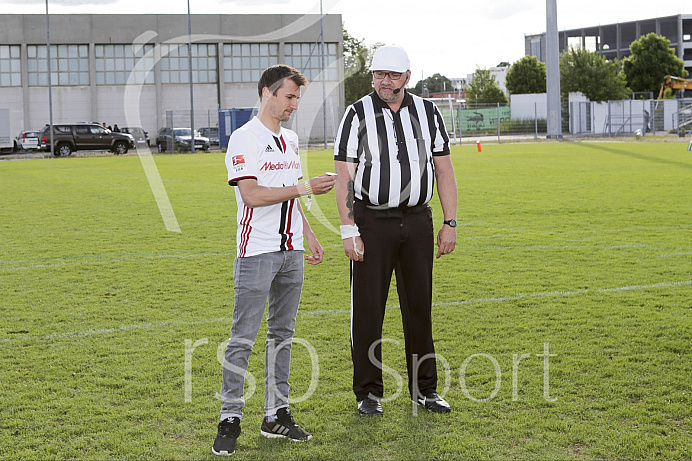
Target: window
<point>245,62</point>
<point>306,58</point>
<point>175,63</point>
<point>10,66</point>
<point>536,48</point>
<point>120,64</point>
<point>69,65</point>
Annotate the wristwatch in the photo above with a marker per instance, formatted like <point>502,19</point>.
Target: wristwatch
<point>451,223</point>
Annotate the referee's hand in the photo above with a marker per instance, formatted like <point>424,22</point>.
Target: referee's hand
<point>446,240</point>
<point>354,248</point>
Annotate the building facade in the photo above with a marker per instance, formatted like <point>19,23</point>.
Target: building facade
<point>613,40</point>
<point>134,70</point>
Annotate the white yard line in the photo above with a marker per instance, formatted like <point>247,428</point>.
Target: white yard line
<point>152,326</point>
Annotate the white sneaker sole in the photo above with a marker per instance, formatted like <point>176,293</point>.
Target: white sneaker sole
<point>222,452</point>
<point>271,435</point>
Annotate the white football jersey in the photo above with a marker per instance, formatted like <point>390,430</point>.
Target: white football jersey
<point>254,151</point>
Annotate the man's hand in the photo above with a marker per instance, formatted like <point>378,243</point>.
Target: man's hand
<point>446,240</point>
<point>322,184</point>
<point>354,248</point>
<point>315,248</point>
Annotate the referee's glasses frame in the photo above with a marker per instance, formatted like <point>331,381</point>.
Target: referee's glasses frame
<point>380,75</point>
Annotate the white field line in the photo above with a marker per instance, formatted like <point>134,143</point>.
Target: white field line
<point>108,259</point>
<point>114,259</point>
<point>151,326</point>
<point>566,293</point>
<point>159,190</point>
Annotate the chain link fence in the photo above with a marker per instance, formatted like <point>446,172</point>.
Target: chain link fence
<point>471,122</point>
<point>504,122</point>
<point>183,119</point>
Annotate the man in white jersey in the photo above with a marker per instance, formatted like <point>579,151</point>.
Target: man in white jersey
<point>264,168</point>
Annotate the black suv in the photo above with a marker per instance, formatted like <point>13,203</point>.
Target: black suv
<point>70,137</point>
<point>179,139</point>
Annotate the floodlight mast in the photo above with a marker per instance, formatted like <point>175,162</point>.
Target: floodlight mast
<point>552,65</point>
<point>324,78</point>
<point>50,86</point>
<point>189,65</point>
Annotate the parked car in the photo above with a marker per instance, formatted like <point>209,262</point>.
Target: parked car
<point>141,136</point>
<point>70,137</point>
<point>179,139</point>
<point>27,140</point>
<point>212,133</point>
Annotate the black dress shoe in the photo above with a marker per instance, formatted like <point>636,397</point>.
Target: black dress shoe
<point>370,407</point>
<point>434,403</point>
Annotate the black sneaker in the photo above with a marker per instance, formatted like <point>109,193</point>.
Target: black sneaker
<point>434,403</point>
<point>282,425</point>
<point>370,407</point>
<point>228,432</point>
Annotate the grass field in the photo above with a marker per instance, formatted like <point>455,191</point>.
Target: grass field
<point>564,315</point>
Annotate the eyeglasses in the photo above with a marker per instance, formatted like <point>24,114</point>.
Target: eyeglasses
<point>380,75</point>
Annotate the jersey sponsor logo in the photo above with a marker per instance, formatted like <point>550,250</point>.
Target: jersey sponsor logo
<point>269,148</point>
<point>238,162</point>
<point>273,166</point>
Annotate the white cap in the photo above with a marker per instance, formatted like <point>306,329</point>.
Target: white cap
<point>392,58</point>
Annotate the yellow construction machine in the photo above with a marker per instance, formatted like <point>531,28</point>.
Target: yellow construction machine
<point>674,83</point>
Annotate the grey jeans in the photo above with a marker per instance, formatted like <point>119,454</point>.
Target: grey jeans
<point>278,278</point>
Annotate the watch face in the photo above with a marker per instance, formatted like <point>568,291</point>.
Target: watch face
<point>452,223</point>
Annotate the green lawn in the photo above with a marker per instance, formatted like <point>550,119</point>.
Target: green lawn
<point>582,250</point>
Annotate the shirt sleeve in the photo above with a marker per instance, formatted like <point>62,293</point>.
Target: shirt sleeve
<point>441,141</point>
<point>241,157</point>
<point>346,142</point>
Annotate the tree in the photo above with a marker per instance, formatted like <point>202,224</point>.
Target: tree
<point>357,58</point>
<point>483,89</point>
<point>435,84</point>
<point>591,74</point>
<point>650,61</point>
<point>526,76</point>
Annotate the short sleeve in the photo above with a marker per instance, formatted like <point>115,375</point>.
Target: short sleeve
<point>241,157</point>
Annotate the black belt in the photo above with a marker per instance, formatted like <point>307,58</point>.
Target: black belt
<point>397,212</point>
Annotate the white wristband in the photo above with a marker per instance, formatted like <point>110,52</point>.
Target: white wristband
<point>349,230</point>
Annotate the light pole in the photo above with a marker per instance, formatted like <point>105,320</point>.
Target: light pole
<point>189,65</point>
<point>324,78</point>
<point>50,86</point>
<point>552,65</point>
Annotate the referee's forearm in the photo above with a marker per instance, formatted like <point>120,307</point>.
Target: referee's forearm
<point>344,191</point>
<point>446,186</point>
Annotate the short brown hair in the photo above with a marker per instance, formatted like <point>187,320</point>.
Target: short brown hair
<point>273,78</point>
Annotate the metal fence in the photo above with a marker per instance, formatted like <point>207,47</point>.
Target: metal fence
<point>579,119</point>
<point>631,117</point>
<point>498,122</point>
<point>482,121</point>
<point>182,119</point>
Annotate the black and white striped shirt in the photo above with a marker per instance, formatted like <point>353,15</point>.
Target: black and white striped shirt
<point>394,151</point>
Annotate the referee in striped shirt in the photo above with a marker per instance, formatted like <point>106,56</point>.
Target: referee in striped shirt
<point>390,148</point>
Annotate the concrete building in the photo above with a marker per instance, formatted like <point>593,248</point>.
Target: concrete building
<point>499,73</point>
<point>613,40</point>
<point>133,70</point>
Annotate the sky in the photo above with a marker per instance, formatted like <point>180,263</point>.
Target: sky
<point>450,37</point>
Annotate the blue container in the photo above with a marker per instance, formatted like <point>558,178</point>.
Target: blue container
<point>232,119</point>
